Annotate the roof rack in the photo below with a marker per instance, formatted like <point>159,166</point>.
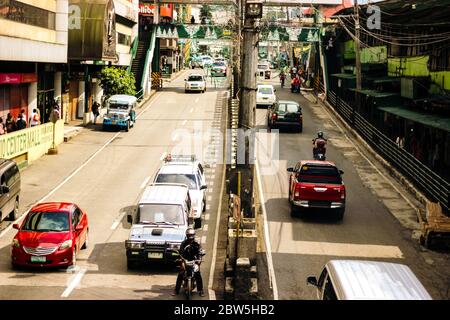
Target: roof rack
<point>180,158</point>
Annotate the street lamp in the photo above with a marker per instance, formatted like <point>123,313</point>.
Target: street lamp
<point>253,9</point>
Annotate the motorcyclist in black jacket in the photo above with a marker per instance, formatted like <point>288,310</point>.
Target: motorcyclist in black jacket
<point>190,250</point>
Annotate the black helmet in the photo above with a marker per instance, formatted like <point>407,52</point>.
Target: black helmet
<point>190,233</point>
<point>320,134</point>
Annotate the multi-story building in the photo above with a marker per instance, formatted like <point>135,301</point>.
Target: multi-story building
<point>33,50</point>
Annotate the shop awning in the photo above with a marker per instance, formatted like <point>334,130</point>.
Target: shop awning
<point>431,120</point>
<point>375,93</point>
<point>344,75</point>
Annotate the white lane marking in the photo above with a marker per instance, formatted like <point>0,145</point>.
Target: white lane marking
<point>75,282</point>
<point>144,183</point>
<point>272,278</point>
<point>205,227</point>
<point>192,109</point>
<point>74,172</point>
<point>184,122</point>
<point>196,100</point>
<point>208,207</point>
<point>164,154</point>
<point>203,240</point>
<point>370,162</point>
<point>175,137</point>
<point>117,221</point>
<point>209,198</point>
<point>207,216</point>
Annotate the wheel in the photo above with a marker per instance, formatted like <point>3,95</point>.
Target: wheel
<point>14,214</point>
<point>131,264</point>
<point>269,128</point>
<point>188,289</point>
<point>86,241</point>
<point>198,223</point>
<point>204,206</point>
<point>185,91</point>
<point>340,214</point>
<point>295,212</point>
<point>300,129</point>
<point>128,126</point>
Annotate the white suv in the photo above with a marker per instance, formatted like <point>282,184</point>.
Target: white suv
<point>188,171</point>
<point>265,95</point>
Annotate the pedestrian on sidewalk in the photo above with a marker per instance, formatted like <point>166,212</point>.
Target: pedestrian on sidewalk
<point>192,20</point>
<point>10,123</point>
<point>21,123</point>
<point>2,126</point>
<point>95,110</point>
<point>35,119</point>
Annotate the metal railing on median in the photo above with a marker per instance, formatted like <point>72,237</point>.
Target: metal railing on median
<point>425,179</point>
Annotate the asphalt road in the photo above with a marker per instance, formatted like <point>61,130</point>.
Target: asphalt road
<point>379,222</point>
<point>104,173</point>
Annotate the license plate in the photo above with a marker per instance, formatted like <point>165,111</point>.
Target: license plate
<point>155,255</point>
<point>280,117</point>
<point>114,122</point>
<point>38,259</point>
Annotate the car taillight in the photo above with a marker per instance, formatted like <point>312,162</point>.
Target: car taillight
<point>274,116</point>
<point>342,194</point>
<point>301,118</point>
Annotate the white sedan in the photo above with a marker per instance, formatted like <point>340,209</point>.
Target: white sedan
<point>265,95</point>
<point>195,82</point>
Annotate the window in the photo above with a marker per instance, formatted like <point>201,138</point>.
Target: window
<point>76,216</point>
<point>328,292</point>
<point>160,214</point>
<point>288,108</point>
<point>187,179</point>
<point>265,90</point>
<point>195,78</point>
<point>319,174</point>
<point>24,13</point>
<point>123,39</point>
<point>47,221</point>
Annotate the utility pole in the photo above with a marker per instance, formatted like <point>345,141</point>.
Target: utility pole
<point>357,47</point>
<point>247,107</point>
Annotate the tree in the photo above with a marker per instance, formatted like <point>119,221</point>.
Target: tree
<point>117,81</point>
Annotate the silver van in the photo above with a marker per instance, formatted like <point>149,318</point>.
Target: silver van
<point>159,224</point>
<point>367,280</point>
<point>9,189</point>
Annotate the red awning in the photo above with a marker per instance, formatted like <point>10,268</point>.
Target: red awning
<point>17,78</point>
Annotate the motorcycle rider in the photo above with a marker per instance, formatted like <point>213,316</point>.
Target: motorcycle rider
<point>319,143</point>
<point>190,250</point>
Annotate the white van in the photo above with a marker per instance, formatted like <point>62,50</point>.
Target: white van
<point>367,280</point>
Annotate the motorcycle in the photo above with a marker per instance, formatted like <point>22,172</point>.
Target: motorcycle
<point>319,152</point>
<point>190,268</point>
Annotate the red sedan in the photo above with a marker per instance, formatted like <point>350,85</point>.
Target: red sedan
<point>51,235</point>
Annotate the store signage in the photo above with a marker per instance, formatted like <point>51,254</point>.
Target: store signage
<point>146,10</point>
<point>17,78</point>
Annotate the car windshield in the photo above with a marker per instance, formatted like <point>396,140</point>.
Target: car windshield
<point>118,106</point>
<point>288,108</point>
<point>265,90</point>
<point>195,78</point>
<point>187,179</point>
<point>263,66</point>
<point>161,214</point>
<point>218,64</point>
<point>319,174</point>
<point>47,221</point>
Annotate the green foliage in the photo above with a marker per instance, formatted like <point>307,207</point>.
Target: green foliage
<point>117,81</point>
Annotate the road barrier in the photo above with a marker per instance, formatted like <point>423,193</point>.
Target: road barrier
<point>422,177</point>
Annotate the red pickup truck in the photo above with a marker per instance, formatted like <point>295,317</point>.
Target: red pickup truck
<point>316,184</point>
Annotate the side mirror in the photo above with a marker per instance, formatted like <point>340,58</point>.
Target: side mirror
<point>130,218</point>
<point>274,90</point>
<point>341,172</point>
<point>202,252</point>
<point>16,226</point>
<point>185,79</point>
<point>4,189</point>
<point>204,187</point>
<point>290,169</point>
<point>312,281</point>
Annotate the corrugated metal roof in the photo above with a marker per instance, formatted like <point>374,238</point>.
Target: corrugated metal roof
<point>431,120</point>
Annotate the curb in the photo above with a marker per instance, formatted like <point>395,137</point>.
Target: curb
<point>386,165</point>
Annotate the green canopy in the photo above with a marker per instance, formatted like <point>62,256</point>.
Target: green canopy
<point>431,120</point>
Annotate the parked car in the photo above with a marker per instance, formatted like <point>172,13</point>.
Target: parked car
<point>367,280</point>
<point>316,184</point>
<point>221,59</point>
<point>121,112</point>
<point>51,235</point>
<point>265,95</point>
<point>285,113</point>
<point>218,69</point>
<point>159,223</point>
<point>195,82</point>
<point>196,62</point>
<point>188,173</point>
<point>264,70</point>
<point>9,189</point>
